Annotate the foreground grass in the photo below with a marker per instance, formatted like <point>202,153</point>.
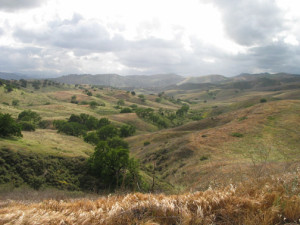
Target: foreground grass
<point>266,201</point>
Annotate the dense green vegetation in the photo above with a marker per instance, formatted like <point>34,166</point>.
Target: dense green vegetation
<point>8,126</point>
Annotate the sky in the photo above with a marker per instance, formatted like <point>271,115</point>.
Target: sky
<point>142,37</point>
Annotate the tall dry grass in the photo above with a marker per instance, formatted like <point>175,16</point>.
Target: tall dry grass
<point>266,201</point>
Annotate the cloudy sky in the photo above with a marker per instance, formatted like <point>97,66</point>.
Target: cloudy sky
<point>192,37</point>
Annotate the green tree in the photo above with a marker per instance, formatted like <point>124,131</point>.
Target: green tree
<point>74,99</point>
<point>142,98</point>
<point>8,126</point>
<point>29,116</point>
<point>117,142</point>
<point>120,102</point>
<point>126,110</point>
<point>183,110</point>
<point>93,104</point>
<point>15,102</point>
<point>108,131</point>
<point>27,126</point>
<point>127,130</point>
<point>109,164</point>
<point>23,83</point>
<point>92,138</point>
<point>71,128</point>
<point>103,122</point>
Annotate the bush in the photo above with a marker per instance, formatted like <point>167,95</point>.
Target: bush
<point>111,164</point>
<point>8,126</point>
<point>89,122</point>
<point>127,130</point>
<point>117,142</point>
<point>93,104</point>
<point>121,102</point>
<point>103,122</point>
<point>8,88</point>
<point>263,100</point>
<point>133,106</point>
<point>73,99</point>
<point>236,134</point>
<point>70,128</point>
<point>29,116</point>
<point>108,131</point>
<point>27,126</point>
<point>45,124</point>
<point>203,158</point>
<point>15,102</point>
<point>42,170</point>
<point>126,110</point>
<point>146,143</point>
<point>92,138</point>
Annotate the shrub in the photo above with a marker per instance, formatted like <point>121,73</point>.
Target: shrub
<point>27,126</point>
<point>133,106</point>
<point>236,134</point>
<point>120,102</point>
<point>15,102</point>
<point>263,100</point>
<point>126,110</point>
<point>146,143</point>
<point>92,138</point>
<point>117,142</point>
<point>93,104</point>
<point>73,99</point>
<point>8,88</point>
<point>243,118</point>
<point>127,130</point>
<point>5,103</point>
<point>29,116</point>
<point>8,126</point>
<point>108,131</point>
<point>203,158</point>
<point>111,164</point>
<point>70,128</point>
<point>45,124</point>
<point>103,122</point>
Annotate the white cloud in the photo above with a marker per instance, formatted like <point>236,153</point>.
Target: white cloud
<point>143,37</point>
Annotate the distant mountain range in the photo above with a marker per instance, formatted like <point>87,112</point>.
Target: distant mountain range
<point>114,80</point>
<point>168,80</point>
<point>13,76</point>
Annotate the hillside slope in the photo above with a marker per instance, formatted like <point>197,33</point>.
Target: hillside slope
<point>231,146</point>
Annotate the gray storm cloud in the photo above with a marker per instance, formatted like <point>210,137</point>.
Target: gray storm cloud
<point>87,46</point>
<point>13,5</point>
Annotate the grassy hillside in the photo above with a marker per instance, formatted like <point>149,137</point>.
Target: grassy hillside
<point>228,147</point>
<point>236,142</point>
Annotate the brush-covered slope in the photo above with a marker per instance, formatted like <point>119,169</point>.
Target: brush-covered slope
<point>224,148</point>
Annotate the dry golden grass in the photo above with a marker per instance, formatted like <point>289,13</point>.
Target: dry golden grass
<point>266,201</point>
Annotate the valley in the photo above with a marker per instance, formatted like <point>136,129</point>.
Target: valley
<point>198,135</point>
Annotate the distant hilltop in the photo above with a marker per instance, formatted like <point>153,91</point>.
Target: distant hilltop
<point>157,80</point>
